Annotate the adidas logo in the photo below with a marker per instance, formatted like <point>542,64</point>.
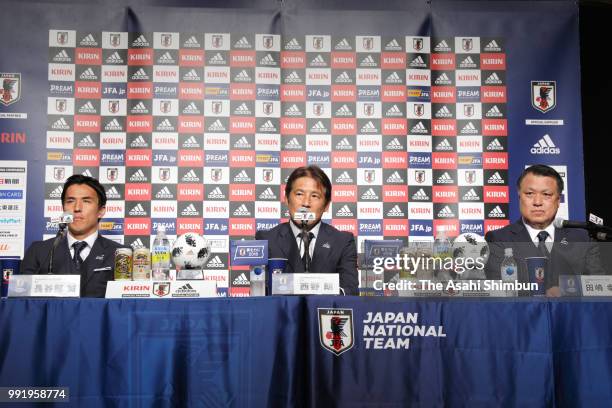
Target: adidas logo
<point>444,145</point>
<point>166,58</point>
<point>396,212</point>
<point>345,211</point>
<point>87,108</point>
<point>268,127</point>
<point>56,193</point>
<point>343,78</point>
<point>186,286</point>
<point>293,78</point>
<point>62,56</point>
<point>420,195</point>
<point>242,176</point>
<point>443,80</point>
<point>89,41</point>
<point>87,173</point>
<point>190,210</point>
<point>293,110</point>
<point>242,76</point>
<point>344,144</point>
<point>141,41</point>
<point>242,210</point>
<point>446,212</point>
<point>241,280</point>
<point>164,193</point>
<point>469,129</point>
<point>139,108</point>
<point>138,210</point>
<point>494,112</point>
<point>215,262</point>
<point>368,62</point>
<point>318,127</point>
<point>344,178</point>
<point>190,176</point>
<point>467,62</point>
<point>138,176</point>
<point>445,178</point>
<point>394,144</point>
<point>393,45</point>
<point>60,124</point>
<point>216,126</point>
<point>395,178</point>
<point>140,75</point>
<point>496,213</point>
<point>369,128</point>
<point>293,144</point>
<point>293,44</point>
<point>191,109</point>
<point>216,59</point>
<point>495,179</point>
<point>343,45</point>
<point>137,244</point>
<point>192,75</point>
<point>87,141</point>
<point>444,112</point>
<point>471,196</point>
<point>442,46</point>
<point>268,60</point>
<point>216,193</point>
<point>243,109</point>
<point>545,146</point>
<point>418,62</point>
<point>419,128</point>
<point>139,142</point>
<point>165,125</point>
<point>88,75</point>
<point>242,43</point>
<point>492,46</point>
<point>344,111</point>
<point>267,194</point>
<point>495,145</point>
<point>318,61</point>
<point>394,111</point>
<point>242,143</point>
<point>114,58</point>
<point>394,78</point>
<point>369,195</point>
<point>112,193</point>
<point>192,42</point>
<point>493,79</point>
<point>191,142</point>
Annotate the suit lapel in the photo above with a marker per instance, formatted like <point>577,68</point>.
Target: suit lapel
<point>322,249</point>
<point>289,249</point>
<point>62,261</point>
<point>94,260</point>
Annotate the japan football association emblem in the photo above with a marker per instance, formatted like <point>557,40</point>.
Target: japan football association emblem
<point>544,95</point>
<point>161,289</point>
<point>11,88</point>
<point>336,330</point>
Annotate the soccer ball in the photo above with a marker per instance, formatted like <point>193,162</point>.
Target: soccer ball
<point>470,245</point>
<point>190,251</point>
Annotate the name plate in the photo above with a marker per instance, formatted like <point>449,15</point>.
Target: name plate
<point>161,289</point>
<point>595,285</point>
<point>44,286</point>
<point>305,284</point>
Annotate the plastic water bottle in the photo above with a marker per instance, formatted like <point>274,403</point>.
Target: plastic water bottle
<point>508,270</point>
<point>258,281</point>
<point>442,250</point>
<point>160,255</point>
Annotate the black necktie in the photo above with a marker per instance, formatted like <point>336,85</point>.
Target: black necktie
<point>76,259</point>
<point>306,245</point>
<point>542,235</point>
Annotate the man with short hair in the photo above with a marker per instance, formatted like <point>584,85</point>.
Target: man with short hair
<point>570,251</point>
<point>83,251</point>
<point>330,250</point>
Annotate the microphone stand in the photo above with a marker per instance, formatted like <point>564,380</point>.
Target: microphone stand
<point>306,243</point>
<point>56,241</point>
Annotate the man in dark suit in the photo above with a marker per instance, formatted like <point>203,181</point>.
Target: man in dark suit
<point>570,251</point>
<point>329,249</point>
<point>82,251</point>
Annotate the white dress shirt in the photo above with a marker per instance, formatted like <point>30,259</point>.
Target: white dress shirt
<point>85,251</point>
<point>533,233</point>
<point>296,231</point>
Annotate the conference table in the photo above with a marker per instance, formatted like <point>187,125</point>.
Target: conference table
<point>312,351</point>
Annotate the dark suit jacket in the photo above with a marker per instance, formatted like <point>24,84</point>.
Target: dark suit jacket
<point>335,252</point>
<point>573,253</point>
<point>96,270</point>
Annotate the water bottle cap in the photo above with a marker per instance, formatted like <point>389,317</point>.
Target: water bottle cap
<point>508,251</point>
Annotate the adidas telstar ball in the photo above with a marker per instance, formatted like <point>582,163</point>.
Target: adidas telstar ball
<point>190,251</point>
